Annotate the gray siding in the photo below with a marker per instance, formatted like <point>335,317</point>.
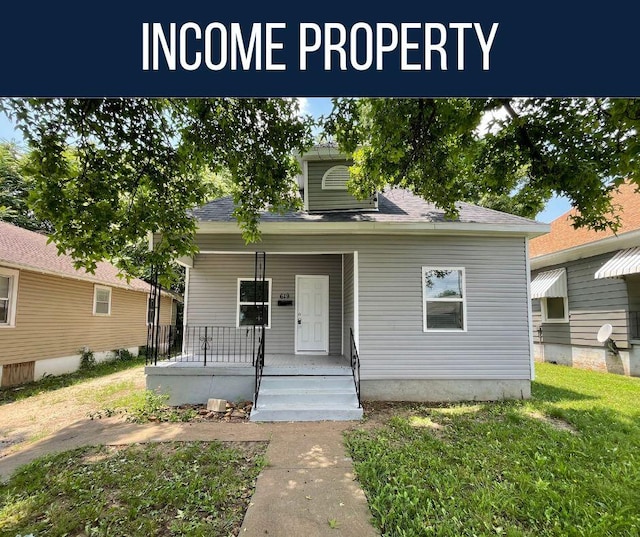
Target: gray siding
<point>213,293</point>
<point>392,342</point>
<point>591,304</point>
<point>322,200</point>
<point>348,301</point>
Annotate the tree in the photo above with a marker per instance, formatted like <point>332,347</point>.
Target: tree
<point>580,148</point>
<point>14,191</point>
<point>139,165</point>
<point>108,171</point>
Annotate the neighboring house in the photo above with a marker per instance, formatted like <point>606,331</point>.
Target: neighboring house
<point>437,309</point>
<point>50,312</point>
<point>582,280</point>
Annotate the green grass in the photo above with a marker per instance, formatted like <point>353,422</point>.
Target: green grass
<point>52,383</point>
<point>194,489</point>
<point>565,463</point>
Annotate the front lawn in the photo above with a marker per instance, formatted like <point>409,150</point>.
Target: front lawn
<point>55,382</point>
<point>194,489</point>
<point>566,462</point>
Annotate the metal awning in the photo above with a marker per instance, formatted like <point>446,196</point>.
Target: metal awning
<point>552,283</point>
<point>624,262</point>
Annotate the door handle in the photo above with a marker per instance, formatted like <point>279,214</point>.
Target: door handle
<point>299,319</point>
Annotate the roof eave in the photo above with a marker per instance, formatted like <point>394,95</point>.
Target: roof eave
<point>603,246</point>
<point>386,228</point>
<point>58,274</point>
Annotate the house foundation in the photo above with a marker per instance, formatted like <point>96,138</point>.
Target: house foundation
<point>625,362</point>
<point>436,390</point>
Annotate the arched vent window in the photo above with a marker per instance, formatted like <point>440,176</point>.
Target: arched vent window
<point>335,178</point>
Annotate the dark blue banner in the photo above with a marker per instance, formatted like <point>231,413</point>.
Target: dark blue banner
<point>319,49</point>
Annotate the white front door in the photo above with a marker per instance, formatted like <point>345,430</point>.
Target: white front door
<point>312,314</point>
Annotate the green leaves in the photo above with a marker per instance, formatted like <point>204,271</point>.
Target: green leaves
<point>14,191</point>
<point>447,151</point>
<point>106,172</point>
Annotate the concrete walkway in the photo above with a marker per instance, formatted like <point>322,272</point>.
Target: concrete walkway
<point>307,487</point>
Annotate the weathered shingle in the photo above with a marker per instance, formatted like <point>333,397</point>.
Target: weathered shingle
<point>24,248</point>
<point>396,205</point>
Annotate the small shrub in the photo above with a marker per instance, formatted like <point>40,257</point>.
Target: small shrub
<point>87,358</point>
<point>123,355</point>
<point>153,406</point>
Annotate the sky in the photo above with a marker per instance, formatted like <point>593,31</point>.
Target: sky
<point>315,106</point>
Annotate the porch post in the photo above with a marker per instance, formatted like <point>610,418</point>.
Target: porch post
<point>356,300</point>
<point>153,318</point>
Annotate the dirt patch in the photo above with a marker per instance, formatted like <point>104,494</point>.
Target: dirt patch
<point>234,413</point>
<point>378,413</point>
<point>28,420</point>
<point>556,423</point>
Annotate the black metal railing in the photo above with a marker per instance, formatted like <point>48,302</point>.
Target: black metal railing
<point>259,279</point>
<point>163,342</point>
<point>221,344</point>
<point>355,364</point>
<point>154,332</point>
<point>259,363</point>
<point>634,324</point>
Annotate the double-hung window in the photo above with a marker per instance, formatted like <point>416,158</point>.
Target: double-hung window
<point>254,302</point>
<point>101,300</point>
<point>8,297</point>
<point>444,295</point>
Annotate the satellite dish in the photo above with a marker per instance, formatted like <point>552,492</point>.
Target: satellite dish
<point>604,333</point>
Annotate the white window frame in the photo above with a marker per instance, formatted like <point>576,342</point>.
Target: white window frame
<point>95,299</point>
<point>238,303</point>
<point>463,299</point>
<point>544,310</point>
<point>324,177</point>
<point>155,311</point>
<point>13,276</point>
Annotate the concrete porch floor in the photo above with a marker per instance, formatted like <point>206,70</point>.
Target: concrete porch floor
<point>270,360</point>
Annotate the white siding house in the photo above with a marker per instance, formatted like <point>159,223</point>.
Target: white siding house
<point>437,309</point>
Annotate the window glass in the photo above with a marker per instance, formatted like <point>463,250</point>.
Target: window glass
<point>151,310</point>
<point>443,283</point>
<point>555,308</point>
<point>445,315</point>
<point>4,287</point>
<point>250,315</point>
<point>252,291</point>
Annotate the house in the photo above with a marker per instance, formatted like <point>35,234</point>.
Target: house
<point>583,279</point>
<point>383,295</point>
<point>50,312</point>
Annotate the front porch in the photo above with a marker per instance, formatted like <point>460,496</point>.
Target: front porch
<point>229,363</point>
<point>278,330</point>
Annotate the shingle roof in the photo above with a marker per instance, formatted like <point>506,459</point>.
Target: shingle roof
<point>23,248</point>
<point>564,236</point>
<point>396,205</point>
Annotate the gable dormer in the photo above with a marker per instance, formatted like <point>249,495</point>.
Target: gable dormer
<point>325,173</point>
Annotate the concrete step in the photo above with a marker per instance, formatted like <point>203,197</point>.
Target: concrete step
<point>291,370</point>
<point>319,399</point>
<point>273,370</point>
<point>307,398</point>
<point>342,382</point>
<point>306,414</point>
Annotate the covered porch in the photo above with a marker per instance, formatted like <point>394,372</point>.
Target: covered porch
<point>277,328</point>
